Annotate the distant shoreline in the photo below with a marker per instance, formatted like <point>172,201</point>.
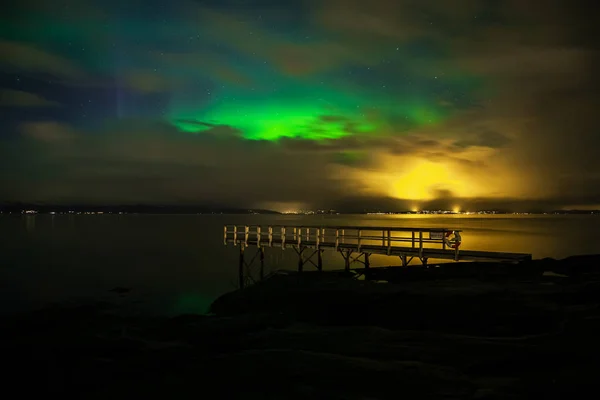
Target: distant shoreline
<point>52,209</point>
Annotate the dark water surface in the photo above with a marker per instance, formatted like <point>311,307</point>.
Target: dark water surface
<point>178,263</point>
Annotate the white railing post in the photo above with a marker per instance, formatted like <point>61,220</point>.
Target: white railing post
<point>270,236</point>
<point>318,238</point>
<point>258,236</point>
<point>225,234</point>
<point>235,235</point>
<point>359,235</point>
<point>299,236</point>
<point>283,237</point>
<point>389,242</point>
<point>337,239</point>
<point>246,233</point>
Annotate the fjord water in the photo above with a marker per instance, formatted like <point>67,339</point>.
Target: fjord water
<point>178,263</point>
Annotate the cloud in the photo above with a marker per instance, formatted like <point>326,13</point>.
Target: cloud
<point>142,161</point>
<point>485,138</point>
<point>517,85</point>
<point>48,131</point>
<point>150,82</point>
<point>291,57</point>
<point>18,98</point>
<point>22,57</point>
<point>203,62</point>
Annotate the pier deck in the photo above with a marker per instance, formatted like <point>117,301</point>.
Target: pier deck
<point>406,243</point>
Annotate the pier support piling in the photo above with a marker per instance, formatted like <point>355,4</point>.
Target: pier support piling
<point>262,263</point>
<point>300,259</point>
<point>241,268</point>
<point>320,260</point>
<point>404,261</point>
<point>347,259</point>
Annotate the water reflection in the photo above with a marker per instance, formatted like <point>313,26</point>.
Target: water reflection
<point>30,223</point>
<point>46,258</point>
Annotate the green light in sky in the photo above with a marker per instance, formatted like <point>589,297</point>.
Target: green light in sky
<point>268,121</point>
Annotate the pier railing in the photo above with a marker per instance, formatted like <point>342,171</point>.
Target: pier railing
<point>385,239</point>
<point>406,243</point>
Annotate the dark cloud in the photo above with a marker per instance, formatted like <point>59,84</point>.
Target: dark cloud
<point>485,139</point>
<point>204,61</point>
<point>523,134</point>
<point>15,56</point>
<point>19,98</point>
<point>141,161</point>
<point>151,82</point>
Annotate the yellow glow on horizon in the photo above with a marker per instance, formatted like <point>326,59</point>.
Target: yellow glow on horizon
<point>456,209</point>
<point>423,178</point>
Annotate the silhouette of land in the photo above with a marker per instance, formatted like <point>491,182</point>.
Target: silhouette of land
<point>223,209</point>
<point>485,331</point>
<point>129,209</point>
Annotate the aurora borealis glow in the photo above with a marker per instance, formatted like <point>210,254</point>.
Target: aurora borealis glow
<point>171,92</point>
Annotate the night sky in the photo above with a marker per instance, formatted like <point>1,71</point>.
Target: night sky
<point>285,105</point>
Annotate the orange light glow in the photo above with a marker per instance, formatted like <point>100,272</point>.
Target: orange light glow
<point>425,180</point>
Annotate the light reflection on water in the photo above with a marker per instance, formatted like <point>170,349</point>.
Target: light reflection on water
<point>178,263</point>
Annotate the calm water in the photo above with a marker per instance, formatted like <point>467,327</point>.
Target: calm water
<point>179,263</point>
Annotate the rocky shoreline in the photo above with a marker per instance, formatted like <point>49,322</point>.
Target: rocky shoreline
<point>485,331</point>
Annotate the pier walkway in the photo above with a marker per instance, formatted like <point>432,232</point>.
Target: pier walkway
<point>309,242</point>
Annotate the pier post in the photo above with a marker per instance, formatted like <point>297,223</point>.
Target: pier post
<point>262,263</point>
<point>347,260</point>
<point>359,237</point>
<point>404,260</point>
<point>320,260</point>
<point>300,260</point>
<point>241,267</point>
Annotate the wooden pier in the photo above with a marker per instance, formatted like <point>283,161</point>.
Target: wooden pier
<point>309,242</point>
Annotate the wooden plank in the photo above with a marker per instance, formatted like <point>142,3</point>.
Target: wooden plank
<point>397,251</point>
